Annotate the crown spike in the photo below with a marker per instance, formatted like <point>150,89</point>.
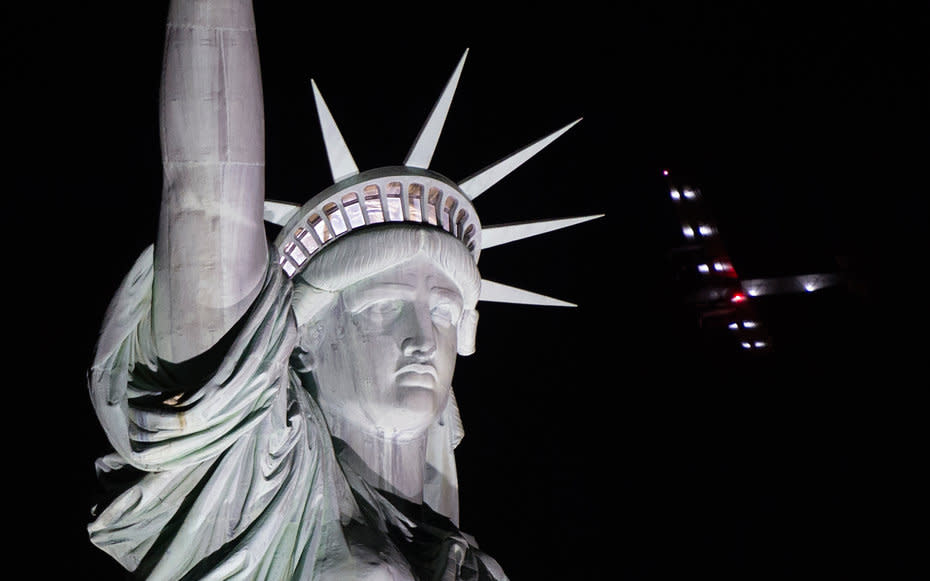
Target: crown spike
<point>421,153</point>
<point>496,292</point>
<point>506,233</point>
<point>341,163</point>
<point>475,185</point>
<point>279,213</point>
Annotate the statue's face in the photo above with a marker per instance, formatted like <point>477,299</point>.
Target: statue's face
<point>386,351</point>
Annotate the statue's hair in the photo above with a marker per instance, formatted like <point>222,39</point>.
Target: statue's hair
<point>369,251</point>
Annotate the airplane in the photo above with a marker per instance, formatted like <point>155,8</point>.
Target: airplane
<point>710,281</point>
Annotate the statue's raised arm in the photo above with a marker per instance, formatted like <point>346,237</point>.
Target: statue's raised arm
<point>210,253</point>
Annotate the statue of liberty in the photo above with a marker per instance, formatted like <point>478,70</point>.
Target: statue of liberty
<point>283,409</point>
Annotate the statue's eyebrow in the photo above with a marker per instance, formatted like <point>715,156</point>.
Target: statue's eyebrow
<point>359,297</point>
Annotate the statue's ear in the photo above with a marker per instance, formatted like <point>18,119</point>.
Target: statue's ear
<point>309,337</point>
<point>467,329</point>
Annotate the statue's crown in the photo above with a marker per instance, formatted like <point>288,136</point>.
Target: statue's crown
<point>410,193</point>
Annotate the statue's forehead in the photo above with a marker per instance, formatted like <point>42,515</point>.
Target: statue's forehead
<point>418,272</point>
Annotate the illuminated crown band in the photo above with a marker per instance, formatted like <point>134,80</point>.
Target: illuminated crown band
<point>410,193</point>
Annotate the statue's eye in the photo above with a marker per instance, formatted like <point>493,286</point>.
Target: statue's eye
<point>445,314</point>
<point>383,310</point>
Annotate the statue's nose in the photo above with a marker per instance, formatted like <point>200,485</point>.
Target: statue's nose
<point>420,342</point>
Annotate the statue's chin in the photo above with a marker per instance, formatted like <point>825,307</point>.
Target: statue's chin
<point>418,405</point>
<point>417,409</point>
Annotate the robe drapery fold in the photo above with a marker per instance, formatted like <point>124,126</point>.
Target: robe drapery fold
<point>240,480</point>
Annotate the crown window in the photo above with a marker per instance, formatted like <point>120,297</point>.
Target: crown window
<point>460,220</point>
<point>336,221</point>
<point>395,205</point>
<point>448,210</point>
<point>373,208</point>
<point>293,250</point>
<point>432,206</point>
<point>306,240</point>
<point>469,233</point>
<point>353,210</point>
<point>414,201</point>
<point>320,227</point>
<point>287,265</point>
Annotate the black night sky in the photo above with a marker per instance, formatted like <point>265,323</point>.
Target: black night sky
<point>617,440</point>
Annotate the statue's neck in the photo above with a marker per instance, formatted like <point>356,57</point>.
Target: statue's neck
<point>392,465</point>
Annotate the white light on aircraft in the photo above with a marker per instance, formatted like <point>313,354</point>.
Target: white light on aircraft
<point>733,326</point>
<point>703,268</point>
<point>746,345</point>
<point>675,195</point>
<point>759,344</point>
<point>749,324</point>
<point>705,230</point>
<point>688,232</point>
<point>690,194</point>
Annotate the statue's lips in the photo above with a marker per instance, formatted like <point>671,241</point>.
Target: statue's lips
<point>417,375</point>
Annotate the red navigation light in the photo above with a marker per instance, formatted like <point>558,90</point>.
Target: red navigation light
<point>738,298</point>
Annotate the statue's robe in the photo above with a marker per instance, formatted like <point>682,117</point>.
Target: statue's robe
<point>224,469</point>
